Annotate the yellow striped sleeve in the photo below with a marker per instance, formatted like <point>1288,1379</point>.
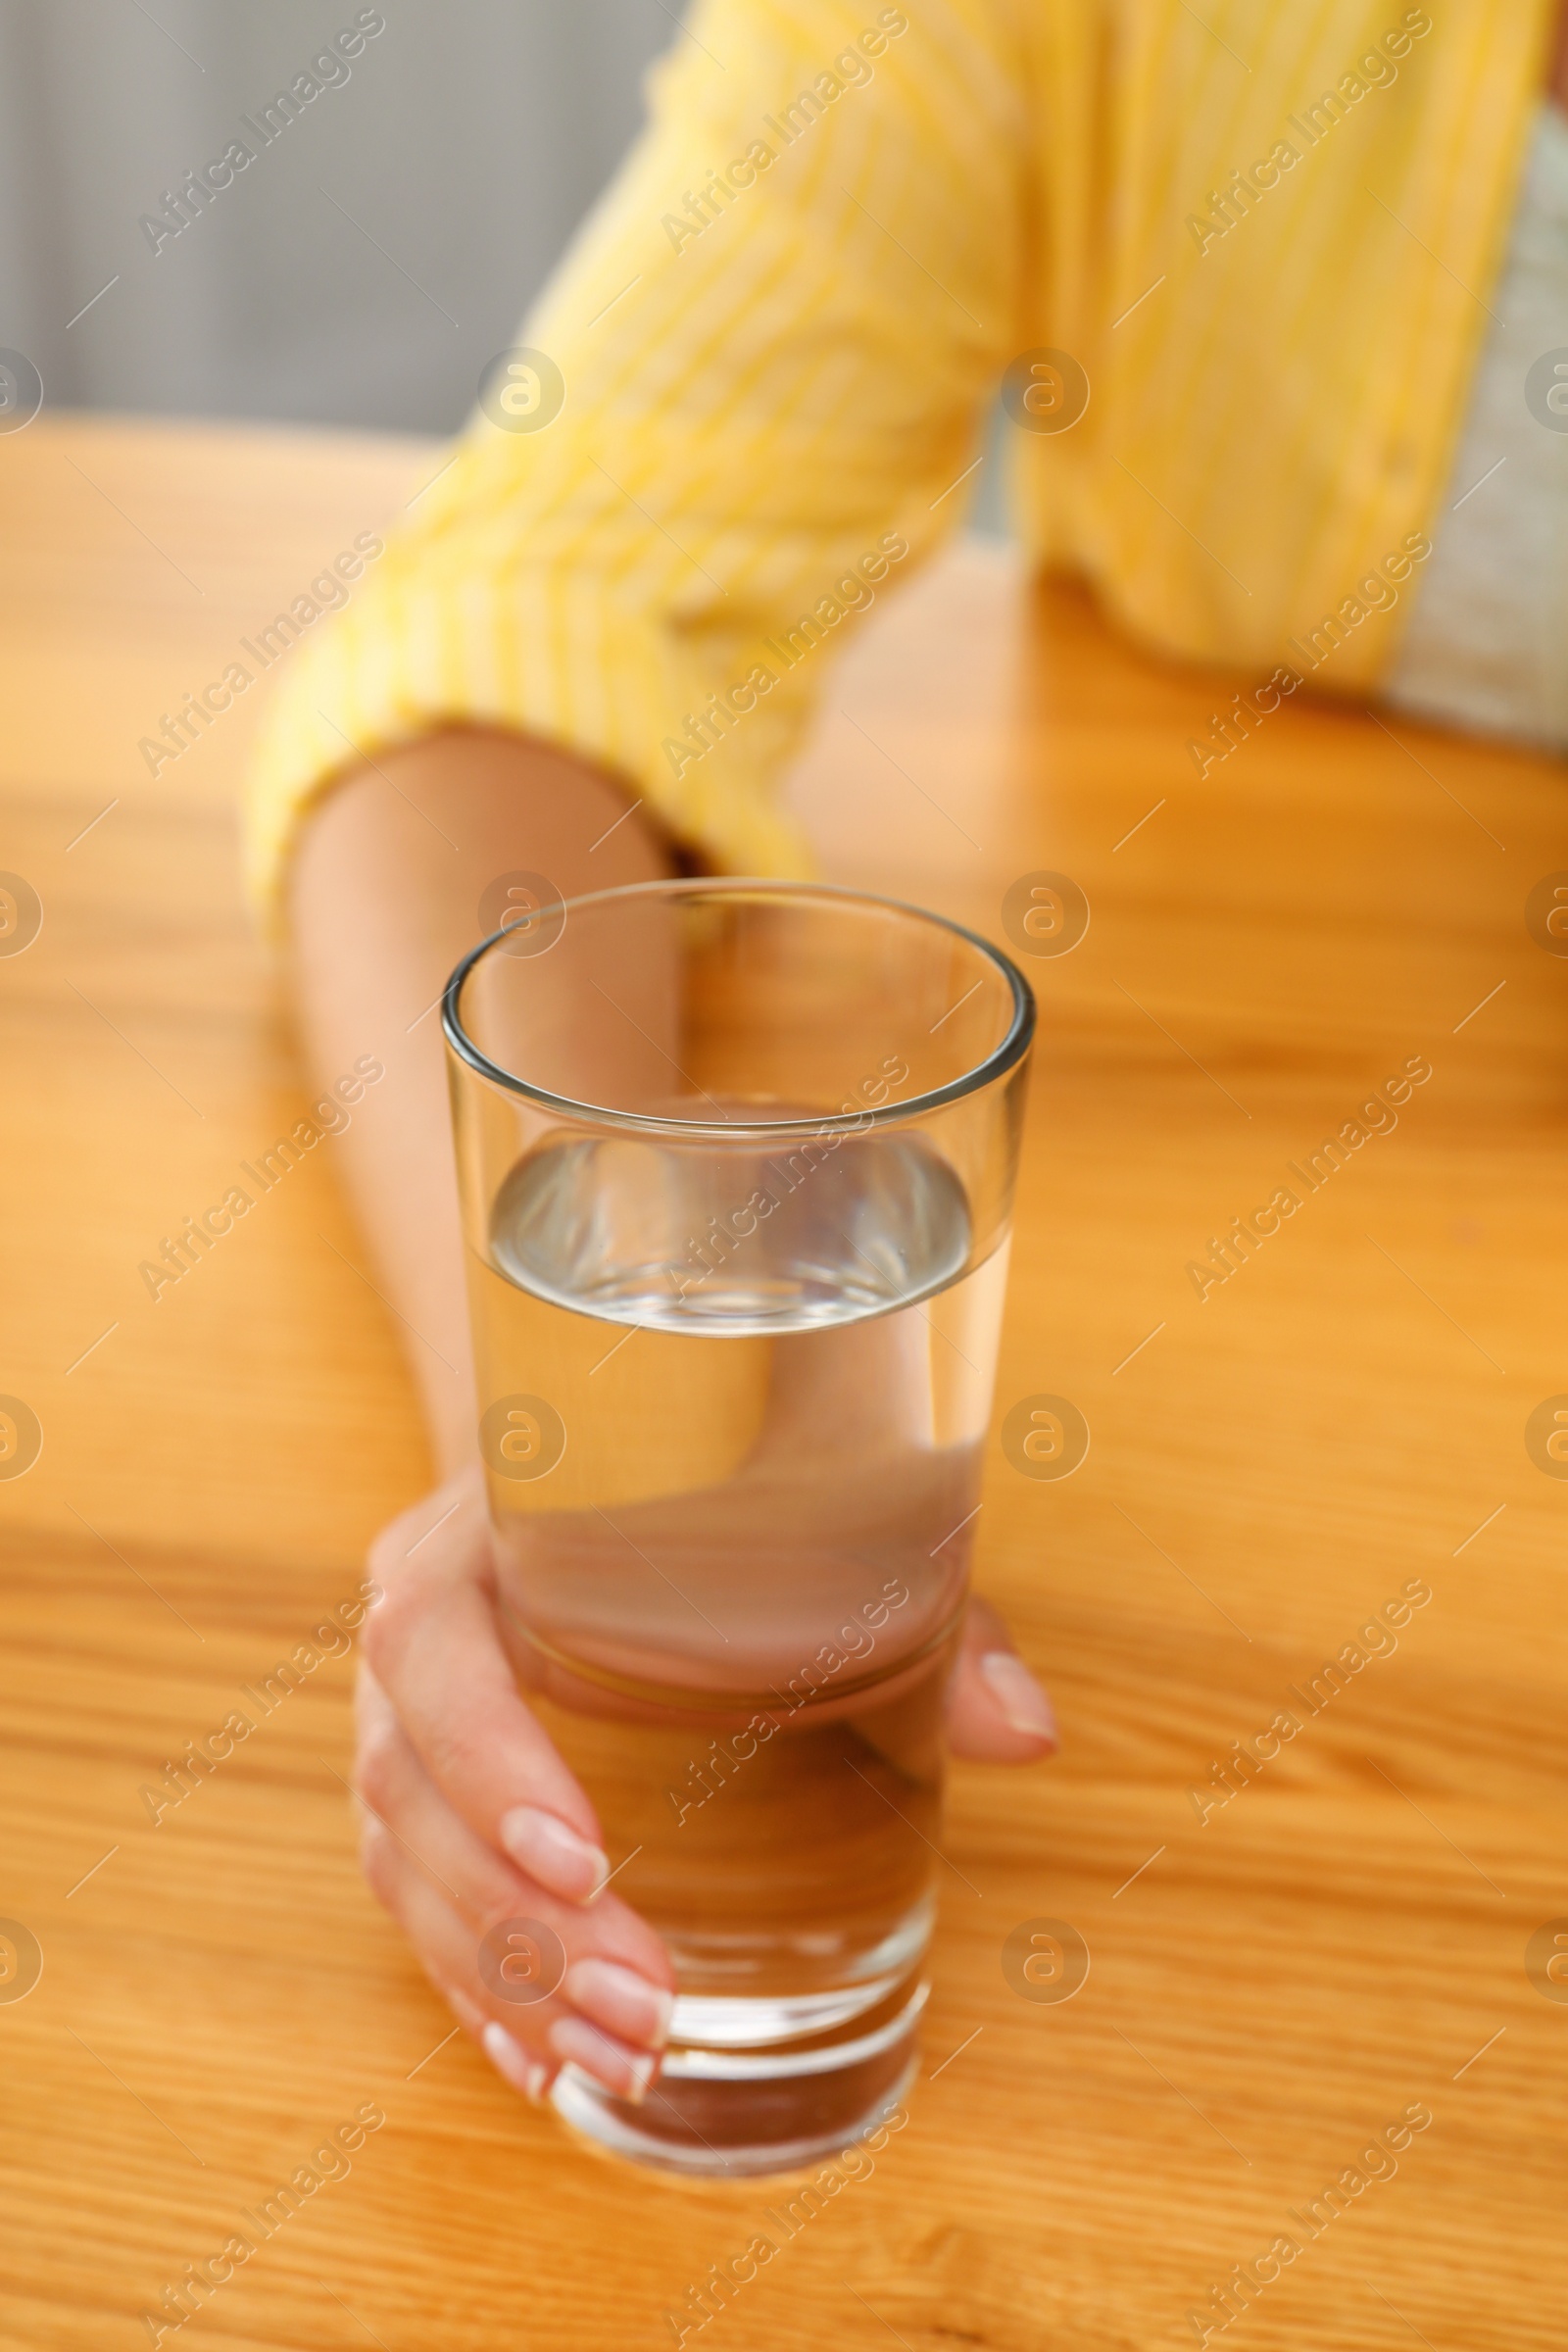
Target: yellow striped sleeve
<point>1272,230</point>
<point>774,338</point>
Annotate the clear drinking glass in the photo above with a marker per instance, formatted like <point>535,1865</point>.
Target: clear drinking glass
<point>737,1163</point>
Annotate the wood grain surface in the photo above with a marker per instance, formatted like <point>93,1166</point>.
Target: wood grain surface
<point>1274,1980</point>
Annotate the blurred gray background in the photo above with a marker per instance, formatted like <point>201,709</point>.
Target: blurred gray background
<point>366,265</point>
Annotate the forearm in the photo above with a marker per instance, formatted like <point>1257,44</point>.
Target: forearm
<point>385,897</point>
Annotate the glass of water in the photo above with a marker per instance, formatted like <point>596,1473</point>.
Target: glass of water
<point>737,1162</point>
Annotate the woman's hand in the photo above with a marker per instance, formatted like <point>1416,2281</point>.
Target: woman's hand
<point>472,1817</point>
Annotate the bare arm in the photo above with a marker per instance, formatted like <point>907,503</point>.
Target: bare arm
<point>386,898</point>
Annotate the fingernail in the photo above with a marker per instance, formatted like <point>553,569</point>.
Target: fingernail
<point>563,1862</point>
<point>620,2000</point>
<point>1019,1697</point>
<point>523,2073</point>
<point>626,2074</point>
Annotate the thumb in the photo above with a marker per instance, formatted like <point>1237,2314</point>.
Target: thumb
<point>997,1711</point>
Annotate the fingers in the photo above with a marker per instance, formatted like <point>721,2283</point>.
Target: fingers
<point>448,1888</point>
<point>997,1712</point>
<point>620,2000</point>
<point>526,2041</point>
<point>475,1821</point>
<point>481,1884</point>
<point>433,1646</point>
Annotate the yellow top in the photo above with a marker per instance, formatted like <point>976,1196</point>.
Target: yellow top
<point>1261,243</point>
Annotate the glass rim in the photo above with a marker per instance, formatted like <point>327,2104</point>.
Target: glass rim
<point>1004,1056</point>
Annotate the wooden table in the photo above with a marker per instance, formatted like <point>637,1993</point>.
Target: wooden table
<point>1270,1984</point>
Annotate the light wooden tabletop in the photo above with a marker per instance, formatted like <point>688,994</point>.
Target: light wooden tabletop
<point>1272,1986</point>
